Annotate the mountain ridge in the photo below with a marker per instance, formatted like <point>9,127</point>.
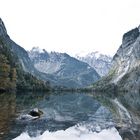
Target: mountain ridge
<point>100,62</point>
<point>66,68</point>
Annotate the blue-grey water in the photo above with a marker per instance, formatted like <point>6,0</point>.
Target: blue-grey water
<point>60,112</point>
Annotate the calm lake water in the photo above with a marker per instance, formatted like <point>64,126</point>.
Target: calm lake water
<point>66,113</point>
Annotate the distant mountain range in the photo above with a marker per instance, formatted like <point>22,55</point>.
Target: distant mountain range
<point>100,62</point>
<point>67,70</point>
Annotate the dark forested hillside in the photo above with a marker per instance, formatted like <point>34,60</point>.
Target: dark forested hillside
<point>8,73</point>
<point>12,75</point>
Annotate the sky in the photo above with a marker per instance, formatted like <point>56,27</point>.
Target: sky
<point>71,26</point>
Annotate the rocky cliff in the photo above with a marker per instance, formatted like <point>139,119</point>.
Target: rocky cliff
<point>125,72</point>
<point>127,57</point>
<point>122,84</point>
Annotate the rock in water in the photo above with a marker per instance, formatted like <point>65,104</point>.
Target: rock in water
<point>35,112</point>
<point>32,115</point>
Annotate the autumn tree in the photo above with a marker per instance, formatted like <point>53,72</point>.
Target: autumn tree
<point>4,72</point>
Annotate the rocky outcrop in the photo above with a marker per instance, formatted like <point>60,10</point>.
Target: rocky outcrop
<point>130,37</point>
<point>35,112</point>
<point>32,115</point>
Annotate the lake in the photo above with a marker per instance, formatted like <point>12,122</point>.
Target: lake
<point>71,116</point>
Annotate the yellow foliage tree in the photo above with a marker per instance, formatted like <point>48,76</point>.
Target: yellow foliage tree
<point>4,72</point>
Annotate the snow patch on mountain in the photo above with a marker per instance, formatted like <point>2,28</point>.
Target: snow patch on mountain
<point>100,62</point>
<point>48,67</point>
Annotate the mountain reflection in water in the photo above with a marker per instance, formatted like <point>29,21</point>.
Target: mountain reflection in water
<point>60,112</point>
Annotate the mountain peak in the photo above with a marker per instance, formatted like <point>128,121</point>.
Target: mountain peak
<point>94,54</point>
<point>37,49</point>
<point>100,62</point>
<point>130,37</point>
<point>3,30</point>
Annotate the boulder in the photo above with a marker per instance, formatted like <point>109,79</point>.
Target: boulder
<point>35,112</point>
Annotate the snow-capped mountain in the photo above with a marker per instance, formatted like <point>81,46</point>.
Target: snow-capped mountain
<point>100,62</point>
<point>66,69</point>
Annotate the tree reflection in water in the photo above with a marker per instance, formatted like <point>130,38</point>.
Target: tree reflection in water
<point>7,112</point>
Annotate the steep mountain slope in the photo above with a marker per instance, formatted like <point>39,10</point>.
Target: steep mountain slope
<point>126,63</point>
<point>16,49</point>
<point>14,71</point>
<point>68,70</point>
<point>100,62</point>
<point>123,84</point>
<point>125,72</point>
<point>126,68</point>
<point>127,57</point>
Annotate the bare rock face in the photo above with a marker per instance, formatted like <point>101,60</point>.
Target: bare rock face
<point>127,57</point>
<point>125,73</point>
<point>126,69</point>
<point>130,37</point>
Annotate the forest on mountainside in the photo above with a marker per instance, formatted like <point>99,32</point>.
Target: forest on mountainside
<point>12,75</point>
